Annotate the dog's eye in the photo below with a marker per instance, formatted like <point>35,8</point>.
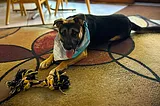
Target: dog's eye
<point>63,31</point>
<point>74,32</point>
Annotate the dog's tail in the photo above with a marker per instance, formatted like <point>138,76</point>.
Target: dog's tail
<point>140,30</point>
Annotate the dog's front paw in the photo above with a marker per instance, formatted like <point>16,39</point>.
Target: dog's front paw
<point>57,80</point>
<point>45,64</point>
<point>50,81</point>
<point>51,78</point>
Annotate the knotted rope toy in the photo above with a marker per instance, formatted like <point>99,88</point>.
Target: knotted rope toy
<point>25,79</point>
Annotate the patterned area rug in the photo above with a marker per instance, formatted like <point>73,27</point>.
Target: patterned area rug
<point>127,73</point>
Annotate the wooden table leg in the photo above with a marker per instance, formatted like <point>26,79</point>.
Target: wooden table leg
<point>8,11</point>
<point>88,5</point>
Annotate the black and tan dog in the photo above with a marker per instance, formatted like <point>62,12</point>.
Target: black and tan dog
<point>101,28</point>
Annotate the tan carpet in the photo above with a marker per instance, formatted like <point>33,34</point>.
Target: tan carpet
<point>129,81</point>
<point>150,12</point>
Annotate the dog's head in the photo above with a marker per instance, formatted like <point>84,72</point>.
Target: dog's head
<point>70,33</point>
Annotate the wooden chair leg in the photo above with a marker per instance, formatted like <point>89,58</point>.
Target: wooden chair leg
<point>12,5</point>
<point>24,10</point>
<point>8,11</point>
<point>21,8</point>
<point>66,2</point>
<point>88,5</point>
<point>40,11</point>
<point>62,4</point>
<point>57,6</point>
<point>48,7</point>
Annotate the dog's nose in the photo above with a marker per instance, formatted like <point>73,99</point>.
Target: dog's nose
<point>68,47</point>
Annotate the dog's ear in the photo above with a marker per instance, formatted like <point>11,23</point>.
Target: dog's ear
<point>58,22</point>
<point>79,19</point>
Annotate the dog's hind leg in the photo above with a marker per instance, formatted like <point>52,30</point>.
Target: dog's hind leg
<point>46,63</point>
<point>120,37</point>
<point>115,38</point>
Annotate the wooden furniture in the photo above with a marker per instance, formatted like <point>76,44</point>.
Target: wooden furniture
<point>22,9</point>
<point>61,1</point>
<point>9,2</point>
